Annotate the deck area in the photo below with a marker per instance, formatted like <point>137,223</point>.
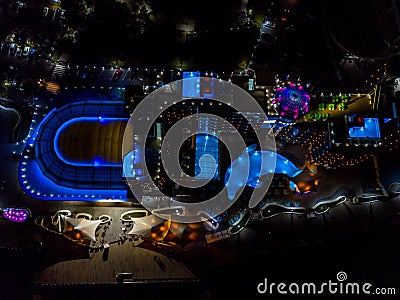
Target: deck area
<point>145,265</point>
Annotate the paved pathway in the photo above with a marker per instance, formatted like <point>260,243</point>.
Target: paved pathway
<point>145,265</point>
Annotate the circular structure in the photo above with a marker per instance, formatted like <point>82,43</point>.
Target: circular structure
<point>105,219</point>
<point>130,215</point>
<point>84,216</point>
<point>63,212</point>
<point>17,215</point>
<point>291,100</point>
<point>341,276</point>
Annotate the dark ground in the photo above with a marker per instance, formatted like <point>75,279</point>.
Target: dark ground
<point>369,256</point>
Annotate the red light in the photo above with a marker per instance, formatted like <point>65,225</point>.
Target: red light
<point>283,19</point>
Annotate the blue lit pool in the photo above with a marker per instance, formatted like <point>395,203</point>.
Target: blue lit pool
<point>46,174</point>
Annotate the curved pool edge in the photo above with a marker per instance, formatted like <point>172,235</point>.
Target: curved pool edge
<point>76,120</point>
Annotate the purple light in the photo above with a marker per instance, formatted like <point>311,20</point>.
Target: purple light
<point>292,101</point>
<point>17,215</point>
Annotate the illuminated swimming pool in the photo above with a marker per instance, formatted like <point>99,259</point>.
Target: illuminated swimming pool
<point>55,166</point>
<point>259,163</point>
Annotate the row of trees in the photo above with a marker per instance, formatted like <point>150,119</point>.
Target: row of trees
<point>146,32</point>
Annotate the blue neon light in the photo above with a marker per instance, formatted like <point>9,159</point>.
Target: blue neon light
<point>386,120</point>
<point>45,176</point>
<point>127,165</point>
<point>292,185</point>
<point>207,167</point>
<point>259,163</point>
<point>191,85</point>
<point>35,182</point>
<point>132,166</point>
<point>96,163</point>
